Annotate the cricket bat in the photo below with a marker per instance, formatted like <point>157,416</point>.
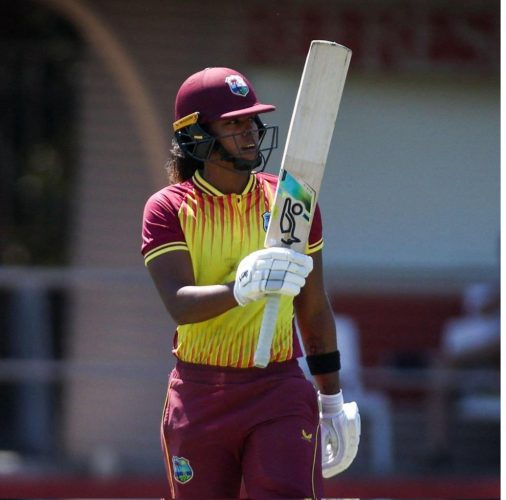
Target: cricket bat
<point>303,164</point>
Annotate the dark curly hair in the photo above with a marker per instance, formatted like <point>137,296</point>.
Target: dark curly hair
<point>179,166</point>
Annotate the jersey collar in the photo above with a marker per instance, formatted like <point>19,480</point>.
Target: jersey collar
<point>208,188</point>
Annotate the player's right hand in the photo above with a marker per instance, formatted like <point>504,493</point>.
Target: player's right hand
<point>271,270</point>
<point>340,433</point>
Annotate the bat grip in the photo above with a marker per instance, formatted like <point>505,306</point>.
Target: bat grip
<point>263,351</point>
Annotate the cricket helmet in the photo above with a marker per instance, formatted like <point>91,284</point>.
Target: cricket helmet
<point>218,94</point>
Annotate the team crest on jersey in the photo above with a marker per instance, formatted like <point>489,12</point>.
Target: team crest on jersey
<point>237,85</point>
<point>266,217</point>
<point>182,469</point>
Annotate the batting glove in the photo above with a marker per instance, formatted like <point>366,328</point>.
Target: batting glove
<point>340,433</point>
<point>271,270</point>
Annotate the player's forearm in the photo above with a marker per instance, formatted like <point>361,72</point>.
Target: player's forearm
<point>193,304</point>
<point>316,322</point>
<point>322,340</point>
<point>318,334</point>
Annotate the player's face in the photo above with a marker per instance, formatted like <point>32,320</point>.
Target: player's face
<point>239,136</point>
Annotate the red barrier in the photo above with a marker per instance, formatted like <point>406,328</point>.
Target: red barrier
<point>358,487</point>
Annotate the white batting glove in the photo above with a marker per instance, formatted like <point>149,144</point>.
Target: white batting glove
<point>340,433</point>
<point>271,270</point>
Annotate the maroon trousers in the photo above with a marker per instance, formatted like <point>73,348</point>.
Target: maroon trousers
<point>224,425</point>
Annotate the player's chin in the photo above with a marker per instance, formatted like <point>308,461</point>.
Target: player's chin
<point>248,153</point>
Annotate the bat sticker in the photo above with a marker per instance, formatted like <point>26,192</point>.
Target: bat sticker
<point>299,200</point>
<point>288,223</point>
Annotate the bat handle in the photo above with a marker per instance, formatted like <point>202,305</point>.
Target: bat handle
<point>263,352</point>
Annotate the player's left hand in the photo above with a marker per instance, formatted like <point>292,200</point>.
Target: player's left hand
<point>340,433</point>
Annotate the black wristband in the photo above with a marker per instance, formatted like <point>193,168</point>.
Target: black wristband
<point>320,364</point>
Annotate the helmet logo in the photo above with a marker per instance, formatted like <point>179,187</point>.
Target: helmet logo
<point>237,85</point>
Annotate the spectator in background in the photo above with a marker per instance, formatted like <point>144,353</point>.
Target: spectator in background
<point>468,342</point>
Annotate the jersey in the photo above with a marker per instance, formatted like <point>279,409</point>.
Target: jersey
<point>219,230</point>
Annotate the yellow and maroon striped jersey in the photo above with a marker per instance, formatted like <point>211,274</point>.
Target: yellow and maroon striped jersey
<point>219,230</point>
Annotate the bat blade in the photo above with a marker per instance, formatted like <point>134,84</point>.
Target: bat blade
<point>303,163</point>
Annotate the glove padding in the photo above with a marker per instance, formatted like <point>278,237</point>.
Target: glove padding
<point>340,433</point>
<point>271,270</point>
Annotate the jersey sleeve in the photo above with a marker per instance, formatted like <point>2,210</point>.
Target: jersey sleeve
<point>315,241</point>
<point>161,229</point>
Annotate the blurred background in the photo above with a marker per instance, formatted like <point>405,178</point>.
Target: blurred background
<point>410,203</point>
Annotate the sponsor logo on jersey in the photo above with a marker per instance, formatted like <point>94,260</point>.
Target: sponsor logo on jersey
<point>266,217</point>
<point>182,469</point>
<point>237,85</point>
<point>306,436</point>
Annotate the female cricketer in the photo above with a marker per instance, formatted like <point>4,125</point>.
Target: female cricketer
<point>226,421</point>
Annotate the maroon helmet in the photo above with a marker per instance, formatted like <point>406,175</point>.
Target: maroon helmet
<point>216,94</point>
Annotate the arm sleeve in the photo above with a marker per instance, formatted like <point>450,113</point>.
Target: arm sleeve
<point>161,228</point>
